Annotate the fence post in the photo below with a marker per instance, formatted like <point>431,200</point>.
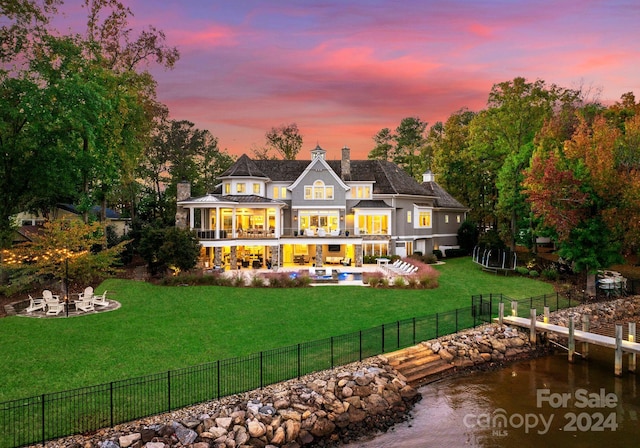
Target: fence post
<point>168,390</point>
<point>532,332</point>
<point>414,331</point>
<point>331,352</point>
<point>571,343</point>
<point>299,374</point>
<point>500,313</point>
<point>44,437</point>
<point>111,404</point>
<point>218,375</point>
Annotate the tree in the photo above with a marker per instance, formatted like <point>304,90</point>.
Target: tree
<point>285,140</point>
<point>180,151</point>
<point>63,250</point>
<point>410,141</point>
<point>169,247</point>
<point>383,148</point>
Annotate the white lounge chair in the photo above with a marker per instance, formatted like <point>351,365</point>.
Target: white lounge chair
<point>87,294</point>
<point>35,305</point>
<point>85,305</point>
<point>52,302</point>
<point>100,300</point>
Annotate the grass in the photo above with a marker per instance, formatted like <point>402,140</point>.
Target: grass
<point>164,328</point>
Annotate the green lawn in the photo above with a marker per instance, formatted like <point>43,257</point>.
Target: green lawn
<point>163,328</point>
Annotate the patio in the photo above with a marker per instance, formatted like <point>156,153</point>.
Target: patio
<point>70,310</point>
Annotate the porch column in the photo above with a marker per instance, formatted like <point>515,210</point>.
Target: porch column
<point>192,217</point>
<point>217,257</point>
<point>234,227</point>
<point>275,256</point>
<point>319,255</point>
<point>359,255</point>
<point>218,221</point>
<point>233,257</point>
<point>278,230</point>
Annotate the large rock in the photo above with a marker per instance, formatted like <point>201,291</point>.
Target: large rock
<point>323,427</point>
<point>292,430</point>
<point>256,428</point>
<point>185,436</point>
<point>376,404</point>
<point>445,355</point>
<point>128,440</point>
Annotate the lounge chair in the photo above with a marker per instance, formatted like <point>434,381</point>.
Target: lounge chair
<point>52,302</point>
<point>346,261</point>
<point>100,300</point>
<point>35,305</point>
<point>85,305</point>
<point>87,294</point>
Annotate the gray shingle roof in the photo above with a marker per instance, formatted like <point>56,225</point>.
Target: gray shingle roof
<point>443,198</point>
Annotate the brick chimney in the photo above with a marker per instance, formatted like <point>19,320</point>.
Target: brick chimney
<point>183,192</point>
<point>345,164</point>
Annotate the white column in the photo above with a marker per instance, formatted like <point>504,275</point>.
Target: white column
<point>192,217</point>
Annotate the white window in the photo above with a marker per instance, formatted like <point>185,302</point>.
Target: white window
<point>318,191</point>
<point>458,219</point>
<point>409,217</point>
<point>256,188</point>
<point>241,187</point>
<point>276,192</point>
<point>227,188</point>
<point>446,219</point>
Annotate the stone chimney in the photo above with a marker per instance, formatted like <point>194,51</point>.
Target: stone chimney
<point>183,193</point>
<point>346,164</point>
<point>428,176</point>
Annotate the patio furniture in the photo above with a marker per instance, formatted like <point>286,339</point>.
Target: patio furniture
<point>87,294</point>
<point>346,262</point>
<point>35,305</point>
<point>48,296</point>
<point>100,300</point>
<point>55,307</point>
<point>85,305</point>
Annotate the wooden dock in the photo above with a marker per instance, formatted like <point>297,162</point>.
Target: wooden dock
<point>584,336</point>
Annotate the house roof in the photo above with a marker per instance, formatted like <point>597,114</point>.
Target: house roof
<point>443,198</point>
<point>95,210</point>
<point>367,203</point>
<point>387,177</point>
<point>244,167</point>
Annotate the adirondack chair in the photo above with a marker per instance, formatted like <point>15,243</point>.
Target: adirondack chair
<point>35,305</point>
<point>100,300</point>
<point>87,294</point>
<point>52,302</point>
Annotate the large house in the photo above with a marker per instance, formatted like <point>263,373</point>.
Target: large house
<point>318,211</point>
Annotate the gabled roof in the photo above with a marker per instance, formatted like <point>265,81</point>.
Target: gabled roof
<point>387,177</point>
<point>368,203</point>
<point>443,198</point>
<point>244,167</point>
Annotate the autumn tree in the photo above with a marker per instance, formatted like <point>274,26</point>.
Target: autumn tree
<point>285,140</point>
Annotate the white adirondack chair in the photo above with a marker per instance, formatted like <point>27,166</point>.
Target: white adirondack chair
<point>100,300</point>
<point>35,305</point>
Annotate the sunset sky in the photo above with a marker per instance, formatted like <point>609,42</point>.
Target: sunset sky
<point>343,70</point>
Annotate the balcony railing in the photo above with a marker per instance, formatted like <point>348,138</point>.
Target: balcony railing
<point>287,232</point>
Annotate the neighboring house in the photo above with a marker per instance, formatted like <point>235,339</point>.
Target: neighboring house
<point>67,211</point>
<point>270,212</point>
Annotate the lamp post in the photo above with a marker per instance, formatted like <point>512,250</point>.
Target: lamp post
<point>66,283</point>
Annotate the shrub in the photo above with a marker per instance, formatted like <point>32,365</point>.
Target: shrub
<point>257,281</point>
<point>522,270</point>
<point>373,279</point>
<point>399,282</point>
<point>533,273</point>
<point>453,253</point>
<point>413,282</point>
<point>430,259</point>
<point>550,274</point>
<point>237,280</point>
<point>437,253</point>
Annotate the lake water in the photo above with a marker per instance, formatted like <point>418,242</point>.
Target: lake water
<point>544,402</point>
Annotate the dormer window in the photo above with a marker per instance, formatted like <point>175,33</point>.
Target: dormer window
<point>318,191</point>
<point>227,188</point>
<point>241,187</point>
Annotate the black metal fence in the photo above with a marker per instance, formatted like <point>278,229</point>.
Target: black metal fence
<point>37,419</point>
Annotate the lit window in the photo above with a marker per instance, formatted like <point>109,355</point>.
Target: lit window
<point>283,192</point>
<point>227,188</point>
<point>318,191</point>
<point>256,188</point>
<point>408,217</point>
<point>446,219</point>
<point>240,188</point>
<point>458,219</point>
<point>329,192</point>
<point>276,192</point>
<point>307,192</point>
<point>424,219</point>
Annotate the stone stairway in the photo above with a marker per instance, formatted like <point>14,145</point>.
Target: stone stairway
<point>418,364</point>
